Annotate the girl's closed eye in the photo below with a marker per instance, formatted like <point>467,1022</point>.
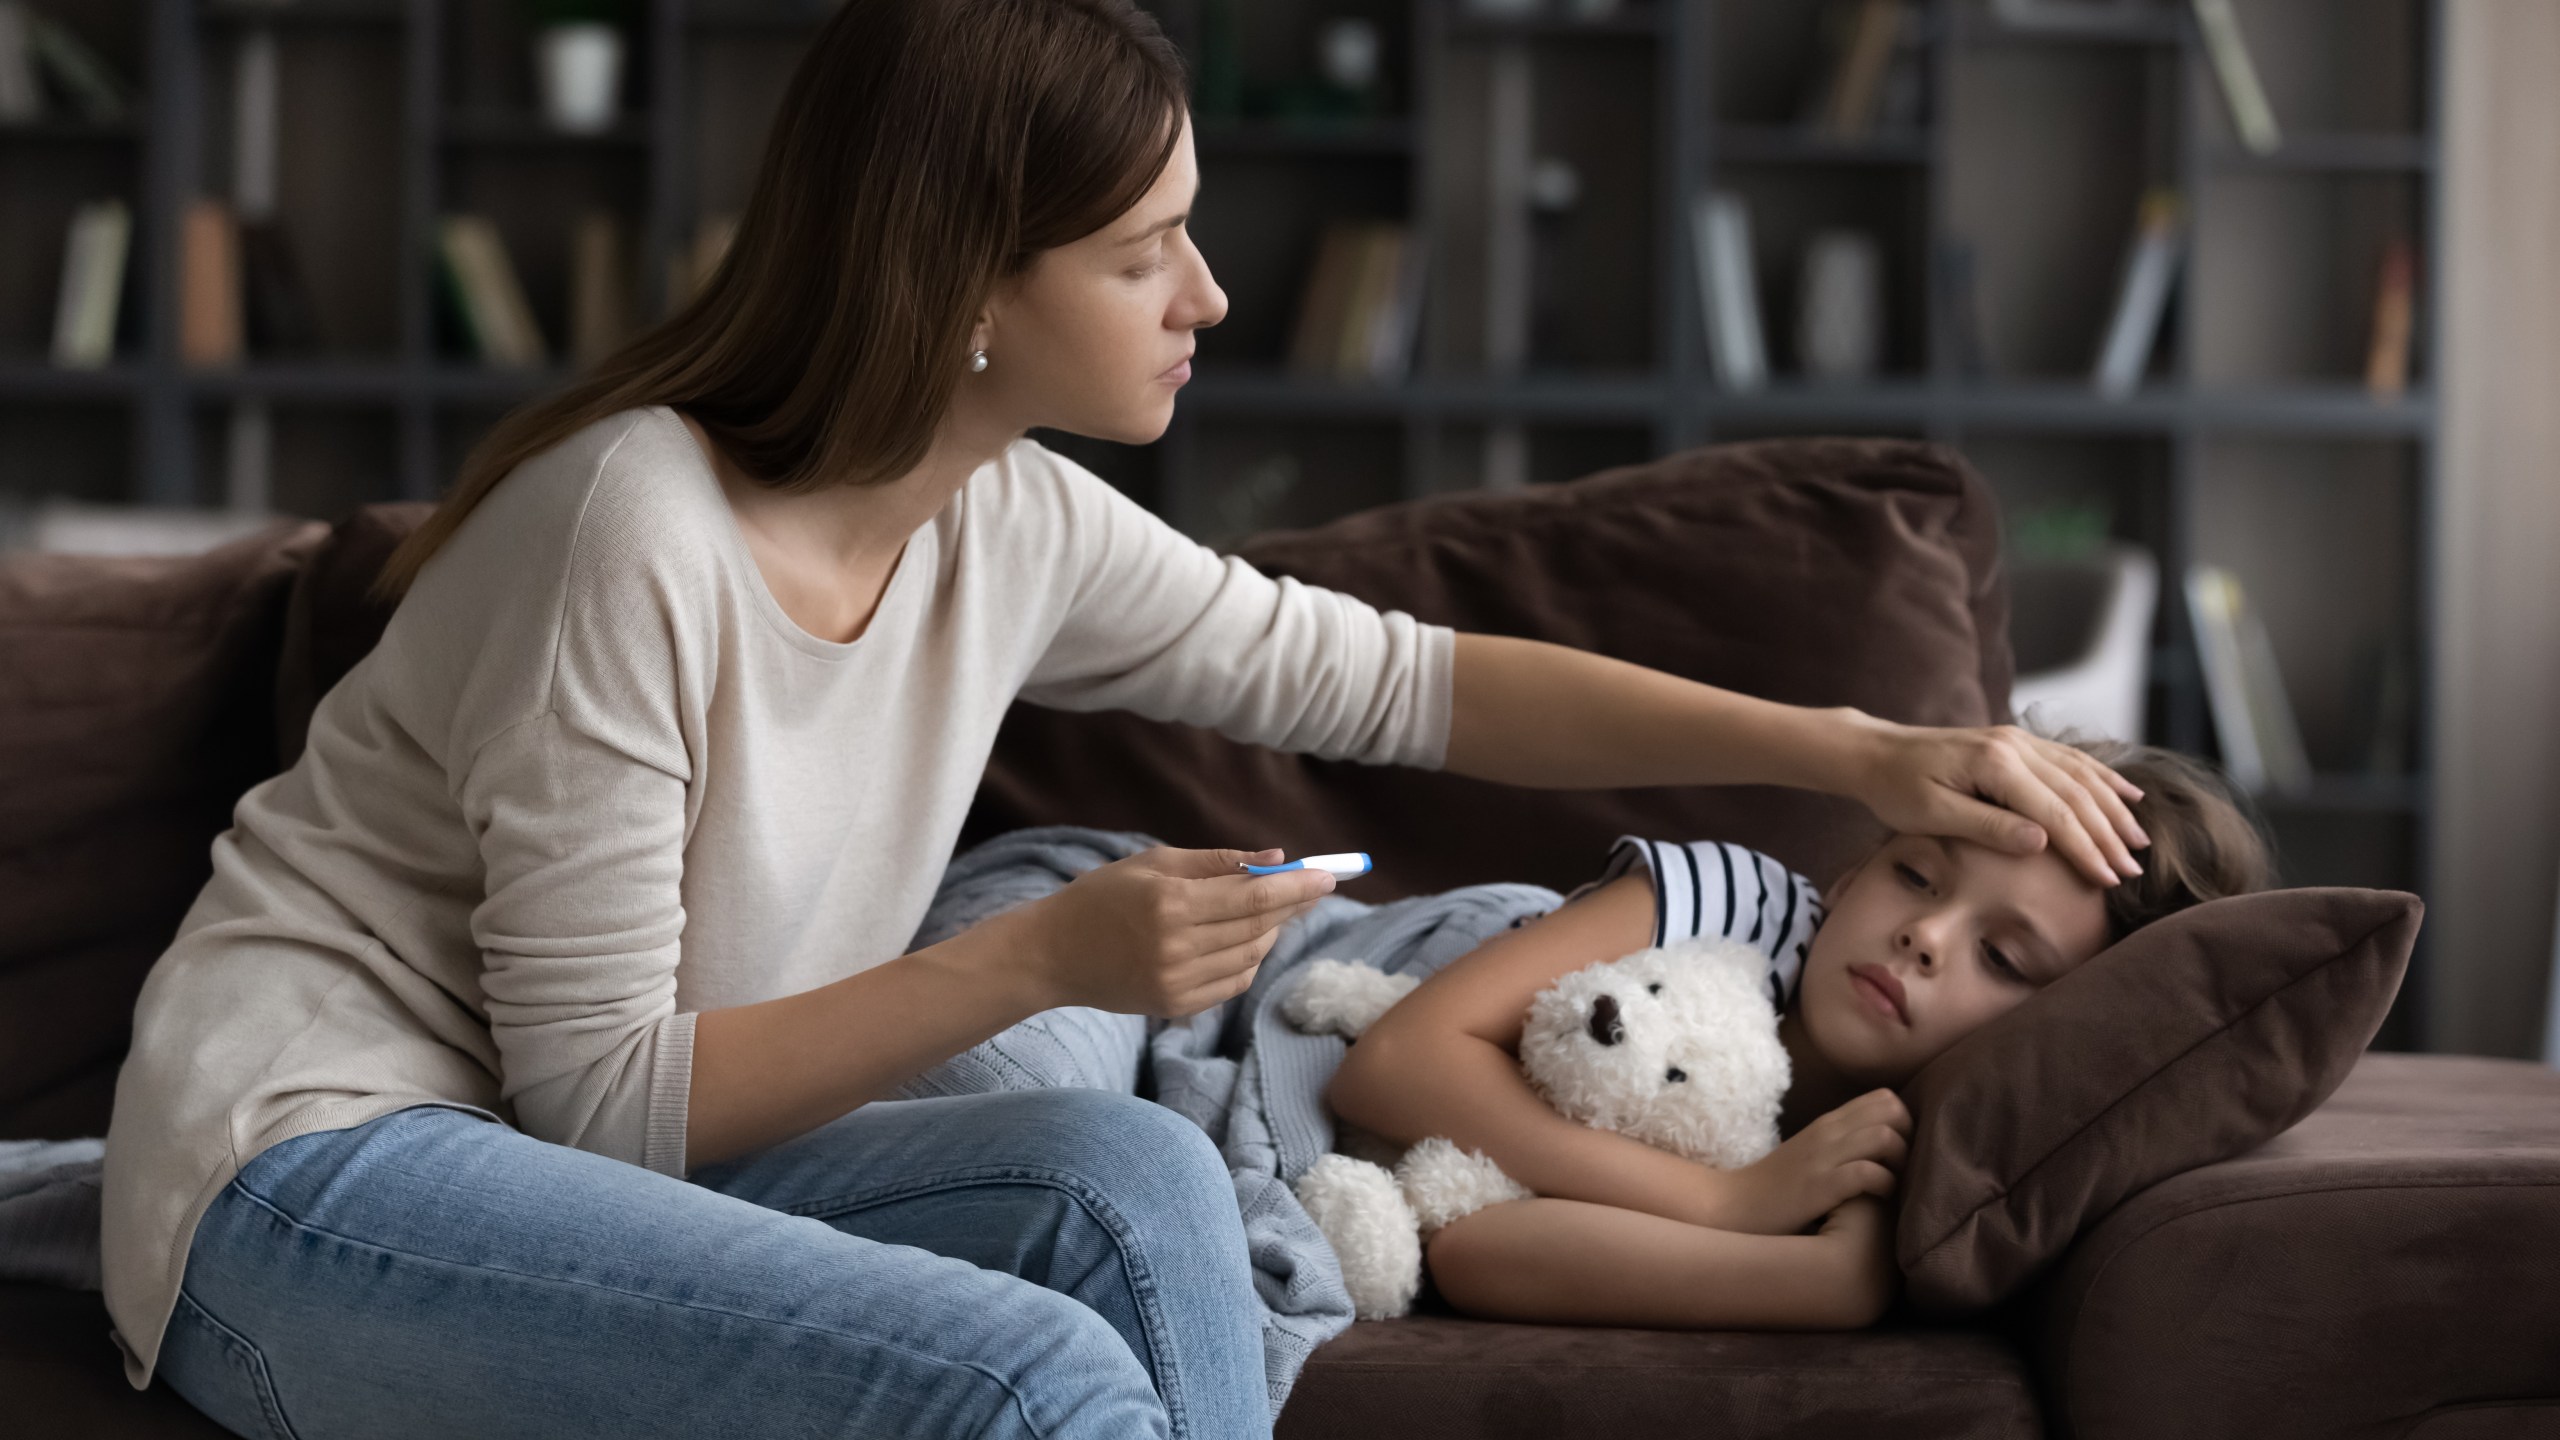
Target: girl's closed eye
<point>1150,268</point>
<point>2000,963</point>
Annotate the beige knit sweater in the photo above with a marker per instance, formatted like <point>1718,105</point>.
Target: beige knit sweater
<point>593,781</point>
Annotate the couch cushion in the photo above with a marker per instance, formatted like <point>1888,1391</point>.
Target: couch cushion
<point>1407,1379</point>
<point>331,622</point>
<point>2190,1040</point>
<point>1424,1376</point>
<point>2389,1267</point>
<point>1821,572</point>
<point>136,704</point>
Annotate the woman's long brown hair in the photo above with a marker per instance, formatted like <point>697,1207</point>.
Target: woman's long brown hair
<point>924,150</point>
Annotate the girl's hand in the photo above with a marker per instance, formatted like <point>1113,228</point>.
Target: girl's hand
<point>1163,932</point>
<point>1934,781</point>
<point>1862,1230</point>
<point>1857,1149</point>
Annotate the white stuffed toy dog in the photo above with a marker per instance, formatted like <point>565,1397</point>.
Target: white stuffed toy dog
<point>1676,1046</point>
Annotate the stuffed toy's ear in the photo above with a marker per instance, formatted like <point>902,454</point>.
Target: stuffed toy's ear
<point>1342,998</point>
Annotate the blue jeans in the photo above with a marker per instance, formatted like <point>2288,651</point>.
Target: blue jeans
<point>1031,1263</point>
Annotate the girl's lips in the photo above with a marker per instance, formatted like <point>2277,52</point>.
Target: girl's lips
<point>1178,373</point>
<point>1865,981</point>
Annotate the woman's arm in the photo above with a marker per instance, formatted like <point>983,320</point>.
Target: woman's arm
<point>1526,712</point>
<point>1444,1061</point>
<point>1567,1262</point>
<point>766,1072</point>
<point>1162,932</point>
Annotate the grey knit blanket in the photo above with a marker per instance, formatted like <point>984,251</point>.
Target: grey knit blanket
<point>1239,1071</point>
<point>49,1211</point>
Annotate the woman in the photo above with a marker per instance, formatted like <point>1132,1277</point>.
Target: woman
<point>516,1072</point>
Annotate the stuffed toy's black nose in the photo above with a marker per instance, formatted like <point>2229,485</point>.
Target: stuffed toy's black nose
<point>1605,1026</point>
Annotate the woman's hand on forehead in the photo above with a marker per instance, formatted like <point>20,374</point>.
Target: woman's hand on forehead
<point>2009,789</point>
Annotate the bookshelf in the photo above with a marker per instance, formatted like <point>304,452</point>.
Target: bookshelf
<point>2250,442</point>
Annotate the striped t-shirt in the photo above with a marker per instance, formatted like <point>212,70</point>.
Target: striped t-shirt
<point>1712,887</point>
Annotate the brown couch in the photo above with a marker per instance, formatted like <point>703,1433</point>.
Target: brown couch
<point>2388,1267</point>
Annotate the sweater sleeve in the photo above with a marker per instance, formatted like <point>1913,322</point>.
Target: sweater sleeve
<point>1156,623</point>
<point>581,810</point>
<point>582,843</point>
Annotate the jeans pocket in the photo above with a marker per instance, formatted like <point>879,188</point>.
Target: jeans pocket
<point>218,1371</point>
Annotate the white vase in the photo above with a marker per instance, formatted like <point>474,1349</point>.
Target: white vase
<point>581,69</point>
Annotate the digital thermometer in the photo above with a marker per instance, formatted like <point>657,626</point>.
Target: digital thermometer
<point>1342,867</point>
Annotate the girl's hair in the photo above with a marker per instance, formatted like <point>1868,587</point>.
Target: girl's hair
<point>924,150</point>
<point>2205,841</point>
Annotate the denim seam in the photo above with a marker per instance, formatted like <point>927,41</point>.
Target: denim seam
<point>1142,1281</point>
<point>1011,1393</point>
<point>252,1363</point>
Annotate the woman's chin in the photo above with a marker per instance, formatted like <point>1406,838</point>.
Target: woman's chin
<point>1141,425</point>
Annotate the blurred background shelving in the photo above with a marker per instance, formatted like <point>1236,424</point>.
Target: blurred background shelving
<point>1554,337</point>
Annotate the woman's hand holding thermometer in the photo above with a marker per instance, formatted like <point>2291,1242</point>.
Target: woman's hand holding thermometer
<point>1166,931</point>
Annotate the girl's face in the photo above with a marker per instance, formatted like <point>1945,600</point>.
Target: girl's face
<point>1929,940</point>
<point>1095,337</point>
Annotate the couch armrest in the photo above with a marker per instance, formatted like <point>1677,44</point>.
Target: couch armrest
<point>2395,1254</point>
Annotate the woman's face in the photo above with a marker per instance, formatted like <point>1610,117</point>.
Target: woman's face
<point>1962,932</point>
<point>1095,337</point>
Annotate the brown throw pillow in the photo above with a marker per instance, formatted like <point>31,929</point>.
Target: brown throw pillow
<point>2193,1039</point>
<point>136,704</point>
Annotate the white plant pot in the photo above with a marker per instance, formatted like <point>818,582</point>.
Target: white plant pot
<point>581,70</point>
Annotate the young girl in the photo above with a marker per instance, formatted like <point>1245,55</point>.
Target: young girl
<point>1902,956</point>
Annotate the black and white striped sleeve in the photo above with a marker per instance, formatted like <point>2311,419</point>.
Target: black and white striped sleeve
<point>1714,887</point>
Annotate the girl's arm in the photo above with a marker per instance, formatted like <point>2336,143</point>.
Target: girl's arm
<point>1567,1262</point>
<point>1444,1061</point>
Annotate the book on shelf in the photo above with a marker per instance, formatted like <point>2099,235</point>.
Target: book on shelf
<point>1903,104</point>
<point>2253,717</point>
<point>1840,306</point>
<point>1360,306</point>
<point>495,314</point>
<point>93,278</point>
<point>1720,234</point>
<point>1865,40</point>
<point>2395,302</point>
<point>599,288</point>
<point>2251,115</point>
<point>279,315</point>
<point>1960,302</point>
<point>78,72</point>
<point>211,328</point>
<point>2142,294</point>
<point>21,98</point>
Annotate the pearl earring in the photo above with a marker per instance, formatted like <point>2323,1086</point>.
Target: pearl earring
<point>977,361</point>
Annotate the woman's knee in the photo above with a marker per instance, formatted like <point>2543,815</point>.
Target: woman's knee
<point>1128,1149</point>
<point>1057,1367</point>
